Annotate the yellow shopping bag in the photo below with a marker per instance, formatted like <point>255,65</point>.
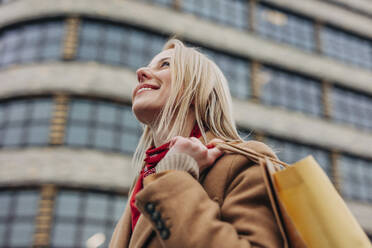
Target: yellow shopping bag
<point>309,211</point>
<point>316,209</point>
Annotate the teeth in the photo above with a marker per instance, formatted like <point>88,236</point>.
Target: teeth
<point>143,89</point>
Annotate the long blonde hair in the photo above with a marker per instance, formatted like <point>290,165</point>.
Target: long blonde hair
<point>203,87</point>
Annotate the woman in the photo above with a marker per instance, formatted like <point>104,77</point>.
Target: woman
<point>188,193</point>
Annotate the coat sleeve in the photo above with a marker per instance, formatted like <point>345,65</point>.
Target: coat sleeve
<point>183,215</point>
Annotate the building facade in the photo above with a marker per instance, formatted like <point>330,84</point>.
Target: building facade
<point>67,69</point>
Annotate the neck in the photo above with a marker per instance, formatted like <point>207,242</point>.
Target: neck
<point>161,136</point>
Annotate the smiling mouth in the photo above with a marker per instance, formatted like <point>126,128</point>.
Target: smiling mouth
<point>144,89</point>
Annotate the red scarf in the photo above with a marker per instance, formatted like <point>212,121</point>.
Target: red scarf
<point>153,157</point>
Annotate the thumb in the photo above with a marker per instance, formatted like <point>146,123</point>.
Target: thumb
<point>213,154</point>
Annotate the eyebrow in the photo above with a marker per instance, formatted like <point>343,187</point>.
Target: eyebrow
<point>161,60</point>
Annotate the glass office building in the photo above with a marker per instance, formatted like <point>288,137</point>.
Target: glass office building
<point>300,80</point>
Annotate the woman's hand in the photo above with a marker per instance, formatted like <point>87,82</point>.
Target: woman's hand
<point>193,147</point>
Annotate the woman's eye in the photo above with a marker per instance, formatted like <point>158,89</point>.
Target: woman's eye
<point>165,63</point>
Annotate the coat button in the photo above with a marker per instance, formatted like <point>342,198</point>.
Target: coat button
<point>155,216</point>
<point>159,225</point>
<point>164,234</point>
<point>150,207</point>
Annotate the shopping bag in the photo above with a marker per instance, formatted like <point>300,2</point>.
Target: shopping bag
<point>309,211</point>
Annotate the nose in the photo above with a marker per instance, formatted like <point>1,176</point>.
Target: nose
<point>143,74</point>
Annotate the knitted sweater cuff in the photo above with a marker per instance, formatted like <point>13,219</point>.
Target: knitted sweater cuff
<point>180,162</point>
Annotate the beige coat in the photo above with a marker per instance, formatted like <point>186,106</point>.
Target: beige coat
<point>228,207</point>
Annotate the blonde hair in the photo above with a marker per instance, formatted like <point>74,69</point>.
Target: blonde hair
<point>204,86</point>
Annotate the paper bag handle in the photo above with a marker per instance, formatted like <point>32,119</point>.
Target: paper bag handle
<point>255,156</point>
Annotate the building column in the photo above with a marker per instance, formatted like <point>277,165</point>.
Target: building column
<point>326,99</point>
<point>44,218</point>
<point>256,80</point>
<point>59,120</point>
<point>71,38</point>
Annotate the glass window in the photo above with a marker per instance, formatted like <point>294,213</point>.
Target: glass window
<point>230,12</point>
<point>97,206</point>
<point>80,215</point>
<point>5,201</point>
<point>3,234</point>
<point>13,135</point>
<point>285,27</point>
<point>106,113</point>
<point>131,131</point>
<point>138,49</point>
<point>356,178</point>
<point>31,42</point>
<point>2,115</point>
<point>81,110</point>
<point>117,44</point>
<point>18,208</point>
<point>64,234</point>
<point>291,91</point>
<point>38,134</point>
<point>89,42</point>
<point>346,47</point>
<point>291,152</point>
<point>351,107</point>
<point>77,135</point>
<point>119,206</point>
<point>21,234</point>
<point>128,142</point>
<point>103,125</point>
<point>5,1</point>
<point>25,122</point>
<point>27,202</point>
<point>18,111</point>
<point>236,71</point>
<point>42,110</point>
<point>104,138</point>
<point>68,203</point>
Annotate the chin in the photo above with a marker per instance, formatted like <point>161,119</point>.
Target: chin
<point>146,113</point>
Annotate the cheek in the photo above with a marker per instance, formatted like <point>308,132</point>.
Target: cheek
<point>166,77</point>
<point>167,82</point>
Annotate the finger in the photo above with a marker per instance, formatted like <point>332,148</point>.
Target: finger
<point>213,154</point>
<point>195,140</point>
<point>174,140</point>
<point>197,146</point>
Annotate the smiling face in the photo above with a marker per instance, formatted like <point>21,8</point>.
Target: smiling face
<point>153,89</point>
